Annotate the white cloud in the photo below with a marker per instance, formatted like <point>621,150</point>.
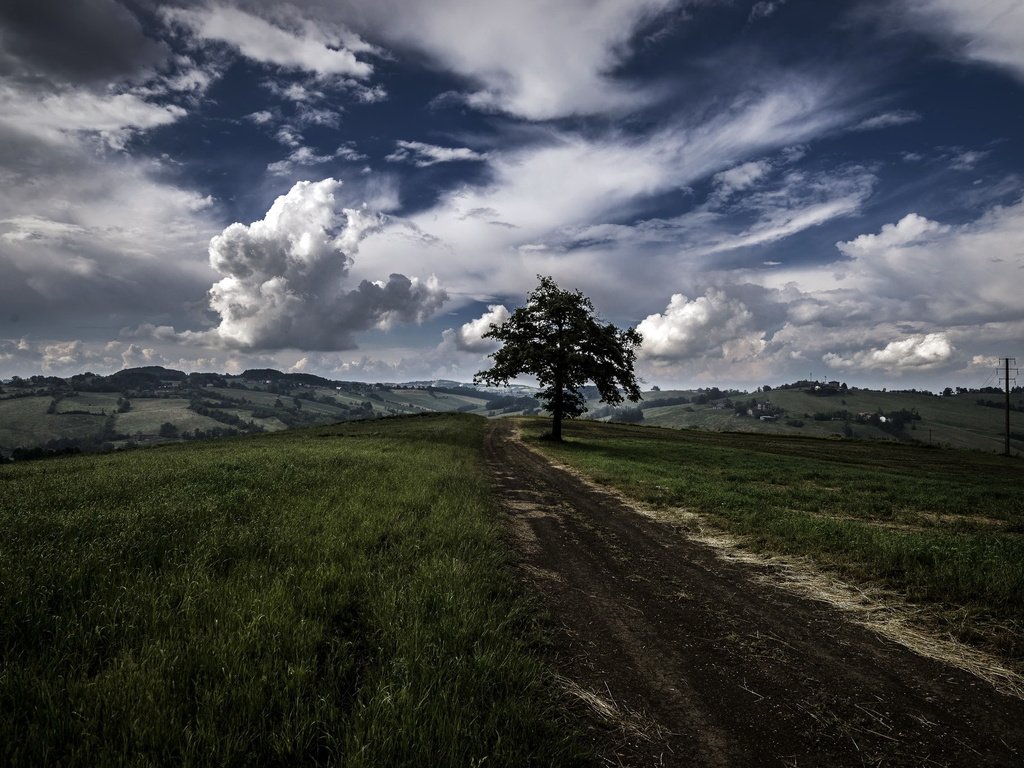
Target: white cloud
<point>712,325</point>
<point>307,46</point>
<point>918,352</point>
<point>135,356</point>
<point>914,297</point>
<point>539,198</point>
<point>262,117</point>
<point>422,155</point>
<point>989,31</point>
<point>771,209</point>
<point>469,337</point>
<point>740,177</point>
<point>59,116</point>
<point>285,286</point>
<point>288,136</point>
<point>911,229</point>
<point>967,160</point>
<point>765,8</point>
<point>531,58</point>
<point>304,157</point>
<point>87,236</point>
<point>888,120</point>
<point>941,273</point>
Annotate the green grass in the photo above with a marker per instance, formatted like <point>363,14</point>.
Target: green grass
<point>147,414</point>
<point>943,527</point>
<point>957,422</point>
<point>24,422</point>
<point>101,403</point>
<point>333,595</point>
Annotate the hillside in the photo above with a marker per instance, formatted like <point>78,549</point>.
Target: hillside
<point>145,406</point>
<point>954,421</point>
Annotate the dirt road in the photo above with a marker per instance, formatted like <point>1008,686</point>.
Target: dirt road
<point>693,661</point>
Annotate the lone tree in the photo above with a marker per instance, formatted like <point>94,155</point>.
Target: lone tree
<point>557,338</point>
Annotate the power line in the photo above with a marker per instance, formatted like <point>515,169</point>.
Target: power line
<point>1006,362</point>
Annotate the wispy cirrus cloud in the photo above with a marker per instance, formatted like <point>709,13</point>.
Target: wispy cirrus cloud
<point>534,60</point>
<point>988,31</point>
<point>887,120</point>
<point>422,155</point>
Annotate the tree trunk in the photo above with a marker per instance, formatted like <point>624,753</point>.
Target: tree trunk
<point>556,424</point>
<point>556,415</point>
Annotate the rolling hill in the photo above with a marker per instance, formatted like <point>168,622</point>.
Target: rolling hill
<point>144,406</point>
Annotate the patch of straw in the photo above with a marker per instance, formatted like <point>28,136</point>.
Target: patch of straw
<point>608,710</point>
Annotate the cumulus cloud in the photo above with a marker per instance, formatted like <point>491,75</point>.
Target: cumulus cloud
<point>911,229</point>
<point>940,273</point>
<point>306,46</point>
<point>918,352</point>
<point>285,277</point>
<point>135,356</point>
<point>713,325</point>
<point>469,336</point>
<point>57,357</point>
<point>916,296</point>
<point>422,155</point>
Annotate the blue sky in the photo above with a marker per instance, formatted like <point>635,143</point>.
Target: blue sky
<point>357,188</point>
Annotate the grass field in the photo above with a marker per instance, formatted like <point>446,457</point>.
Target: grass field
<point>146,416</point>
<point>101,403</point>
<point>25,421</point>
<point>943,527</point>
<point>957,421</point>
<point>332,595</point>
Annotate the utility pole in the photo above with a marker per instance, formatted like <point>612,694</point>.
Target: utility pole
<point>1006,374</point>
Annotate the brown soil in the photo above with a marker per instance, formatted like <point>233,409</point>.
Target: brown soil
<point>683,657</point>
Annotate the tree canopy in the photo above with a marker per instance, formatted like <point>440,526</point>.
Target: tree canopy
<point>557,338</point>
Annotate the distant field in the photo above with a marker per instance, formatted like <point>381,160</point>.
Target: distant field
<point>146,416</point>
<point>101,403</point>
<point>332,595</point>
<point>25,422</point>
<point>944,527</point>
<point>957,421</point>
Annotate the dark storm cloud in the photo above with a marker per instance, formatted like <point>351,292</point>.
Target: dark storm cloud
<point>83,41</point>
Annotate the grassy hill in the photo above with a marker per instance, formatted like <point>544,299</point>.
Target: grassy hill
<point>957,421</point>
<point>340,594</point>
<point>331,595</point>
<point>89,413</point>
<point>146,406</point>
